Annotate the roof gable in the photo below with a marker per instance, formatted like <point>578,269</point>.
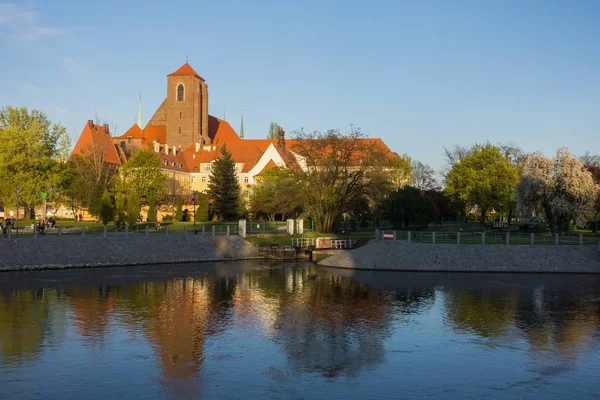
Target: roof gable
<point>186,70</point>
<point>96,139</point>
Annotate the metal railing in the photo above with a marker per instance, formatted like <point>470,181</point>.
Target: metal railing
<point>489,238</point>
<point>124,231</point>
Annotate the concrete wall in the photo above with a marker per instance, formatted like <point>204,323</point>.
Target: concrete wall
<point>403,256</point>
<point>75,252</point>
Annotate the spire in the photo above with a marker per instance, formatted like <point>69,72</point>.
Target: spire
<point>140,122</point>
<point>242,127</point>
<point>224,117</point>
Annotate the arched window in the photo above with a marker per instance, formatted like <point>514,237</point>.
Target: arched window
<point>180,92</point>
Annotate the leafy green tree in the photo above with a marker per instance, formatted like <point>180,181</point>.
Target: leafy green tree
<point>277,191</point>
<point>120,208</point>
<point>400,172</point>
<point>485,179</point>
<point>31,148</point>
<point>151,210</point>
<point>132,208</point>
<point>107,209</point>
<point>409,207</point>
<point>179,209</point>
<point>142,175</point>
<point>224,189</point>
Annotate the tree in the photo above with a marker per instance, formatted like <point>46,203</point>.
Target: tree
<point>141,174</point>
<point>408,207</point>
<point>132,208</point>
<point>31,149</point>
<point>274,131</point>
<point>335,169</point>
<point>595,171</point>
<point>224,189</point>
<point>560,187</point>
<point>400,173</point>
<point>423,176</point>
<point>179,210</point>
<point>151,217</point>
<point>454,155</point>
<point>590,160</point>
<point>107,209</point>
<point>277,191</point>
<point>484,179</point>
<point>202,207</point>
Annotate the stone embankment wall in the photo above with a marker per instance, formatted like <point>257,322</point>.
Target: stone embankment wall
<point>404,256</point>
<point>51,252</point>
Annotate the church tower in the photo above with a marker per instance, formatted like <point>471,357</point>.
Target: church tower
<point>186,108</point>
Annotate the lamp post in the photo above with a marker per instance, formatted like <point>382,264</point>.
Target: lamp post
<point>18,192</point>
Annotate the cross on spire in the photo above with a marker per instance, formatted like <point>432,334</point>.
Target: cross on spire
<point>186,59</point>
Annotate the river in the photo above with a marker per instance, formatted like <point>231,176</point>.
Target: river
<point>294,330</point>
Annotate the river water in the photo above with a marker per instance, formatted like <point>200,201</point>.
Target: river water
<point>281,331</point>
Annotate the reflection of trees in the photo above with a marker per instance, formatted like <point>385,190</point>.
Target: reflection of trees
<point>333,325</point>
<point>27,319</point>
<point>555,325</point>
<point>92,308</point>
<point>487,314</point>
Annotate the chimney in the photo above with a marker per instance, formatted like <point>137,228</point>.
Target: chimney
<point>166,149</point>
<point>197,146</point>
<point>91,122</point>
<point>156,146</point>
<point>105,126</point>
<point>281,142</point>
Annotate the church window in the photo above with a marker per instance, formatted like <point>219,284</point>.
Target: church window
<point>180,130</point>
<point>179,114</point>
<point>180,92</point>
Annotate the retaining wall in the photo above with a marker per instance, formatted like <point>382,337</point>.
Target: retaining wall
<point>50,252</point>
<point>404,256</point>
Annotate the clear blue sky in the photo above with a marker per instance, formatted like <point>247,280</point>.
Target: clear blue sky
<point>421,74</point>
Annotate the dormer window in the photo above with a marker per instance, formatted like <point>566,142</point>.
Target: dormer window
<point>180,92</point>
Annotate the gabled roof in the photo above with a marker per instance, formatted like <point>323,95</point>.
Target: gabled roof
<point>186,70</point>
<point>96,138</point>
<point>135,132</point>
<point>270,164</point>
<point>155,132</point>
<point>221,132</point>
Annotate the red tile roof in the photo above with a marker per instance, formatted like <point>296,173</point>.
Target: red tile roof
<point>155,132</point>
<point>135,132</point>
<point>185,70</point>
<point>221,132</point>
<point>96,138</point>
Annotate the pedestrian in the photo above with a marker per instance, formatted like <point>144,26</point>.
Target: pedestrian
<point>80,217</point>
<point>3,229</point>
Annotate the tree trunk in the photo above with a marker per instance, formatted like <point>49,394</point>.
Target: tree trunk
<point>482,218</point>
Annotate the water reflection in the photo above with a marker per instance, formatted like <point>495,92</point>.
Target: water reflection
<point>327,322</point>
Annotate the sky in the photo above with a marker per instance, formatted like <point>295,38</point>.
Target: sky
<point>419,74</point>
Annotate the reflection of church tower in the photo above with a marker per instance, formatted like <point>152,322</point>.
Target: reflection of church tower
<point>186,108</point>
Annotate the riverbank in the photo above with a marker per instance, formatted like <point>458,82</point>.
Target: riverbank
<point>404,256</point>
<point>80,252</point>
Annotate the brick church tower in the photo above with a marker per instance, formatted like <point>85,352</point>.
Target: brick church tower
<point>186,108</point>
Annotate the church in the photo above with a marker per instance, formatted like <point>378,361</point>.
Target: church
<point>187,139</point>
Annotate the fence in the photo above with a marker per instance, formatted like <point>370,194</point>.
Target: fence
<point>126,231</point>
<point>489,238</point>
<point>324,243</point>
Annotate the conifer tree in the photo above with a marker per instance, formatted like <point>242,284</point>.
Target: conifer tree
<point>151,210</point>
<point>224,189</point>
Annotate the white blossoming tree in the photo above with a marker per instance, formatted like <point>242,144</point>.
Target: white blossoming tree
<point>559,187</point>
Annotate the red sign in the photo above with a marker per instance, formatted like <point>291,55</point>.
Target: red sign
<point>388,235</point>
